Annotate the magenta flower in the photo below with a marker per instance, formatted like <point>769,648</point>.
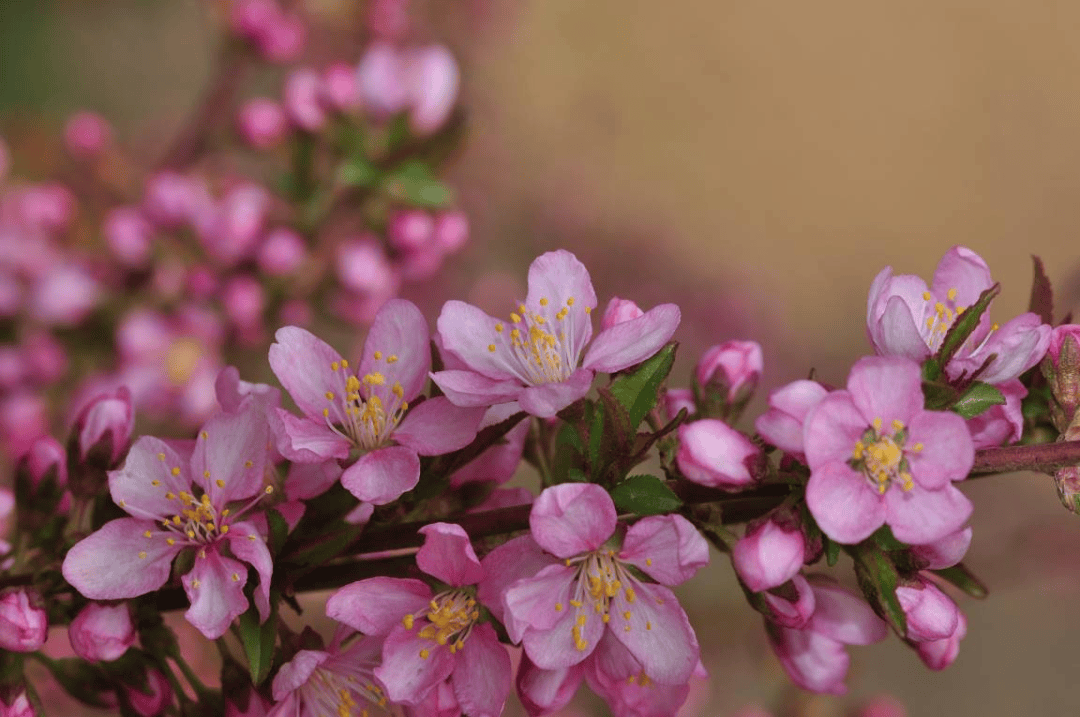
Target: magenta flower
<point>906,318</point>
<point>334,681</point>
<point>561,612</point>
<point>367,410</point>
<point>713,453</point>
<point>185,501</point>
<point>878,458</point>
<point>102,632</point>
<point>431,639</point>
<point>533,359</point>
<point>814,656</point>
<point>935,624</point>
<point>782,424</point>
<point>734,365</point>
<point>768,555</point>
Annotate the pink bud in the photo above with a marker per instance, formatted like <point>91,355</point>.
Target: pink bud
<point>102,633</point>
<point>158,696</point>
<point>87,134</point>
<point>714,454</point>
<point>676,399</point>
<point>128,235</point>
<point>23,419</point>
<point>46,457</point>
<point>451,231</point>
<point>339,89</point>
<point>171,199</point>
<point>768,556</point>
<point>793,608</point>
<point>142,334</point>
<point>46,208</point>
<point>939,654</point>
<point>883,706</point>
<point>244,301</point>
<point>23,626</point>
<point>295,313</point>
<point>301,100</point>
<point>411,229</point>
<point>380,77</point>
<point>11,296</point>
<point>619,310</point>
<point>362,266</point>
<point>433,81</point>
<point>238,224</point>
<point>104,427</point>
<point>944,553</point>
<point>250,18</point>
<point>17,705</point>
<point>931,614</point>
<point>388,19</point>
<point>1058,336</point>
<point>64,296</point>
<point>282,252</point>
<point>283,39</point>
<point>13,368</point>
<point>734,364</point>
<point>201,282</point>
<point>420,265</point>
<point>782,424</point>
<point>262,123</point>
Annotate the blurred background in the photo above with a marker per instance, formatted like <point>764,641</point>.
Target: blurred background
<point>757,163</point>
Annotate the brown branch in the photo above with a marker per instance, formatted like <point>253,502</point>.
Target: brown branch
<point>1045,457</point>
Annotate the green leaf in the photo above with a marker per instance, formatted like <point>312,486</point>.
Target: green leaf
<point>638,390</point>
<point>413,183</point>
<point>964,325</point>
<point>832,551</point>
<point>979,397</point>
<point>877,578</point>
<point>645,495</point>
<point>258,641</point>
<point>80,679</point>
<point>937,396</point>
<point>279,530</point>
<point>1042,294</point>
<point>358,173</point>
<point>962,578</point>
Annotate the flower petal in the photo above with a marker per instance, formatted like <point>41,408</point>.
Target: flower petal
<point>845,617</point>
<point>547,399</point>
<point>307,480</point>
<point>381,476</point>
<point>832,429</point>
<point>469,389</point>
<point>481,677</point>
<point>896,332</point>
<point>119,561</point>
<point>230,454</point>
<point>782,424</point>
<point>376,605</point>
<point>963,270</point>
<point>248,545</point>
<point>886,387</point>
<point>497,463</point>
<point>447,554</point>
<point>656,631</point>
<point>922,516</point>
<point>304,440</point>
<point>468,332</point>
<point>543,692</point>
<point>667,548</point>
<point>844,504</point>
<point>437,426</point>
<point>151,471</point>
<point>294,673</point>
<point>557,280</point>
<point>399,336</point>
<point>513,560</point>
<point>812,661</point>
<point>631,342</point>
<point>947,452</point>
<point>215,587</point>
<point>572,518</point>
<point>539,602</point>
<point>303,363</point>
<point>411,666</point>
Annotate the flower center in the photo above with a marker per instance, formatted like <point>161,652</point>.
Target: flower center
<point>363,416</point>
<point>181,360</point>
<point>537,347</point>
<point>880,456</point>
<point>600,577</point>
<point>449,620</point>
<point>333,693</point>
<point>941,316</point>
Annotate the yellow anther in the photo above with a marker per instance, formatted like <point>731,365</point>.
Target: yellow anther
<point>397,390</point>
<point>917,447</point>
<point>206,474</point>
<point>570,301</point>
<point>558,607</point>
<point>329,395</point>
<point>515,318</point>
<point>236,577</point>
<point>897,425</point>
<point>155,482</point>
<point>424,654</point>
<point>994,327</point>
<point>170,541</point>
<point>588,309</point>
<point>499,328</point>
<point>543,302</point>
<point>195,583</point>
<point>374,379</point>
<point>220,483</point>
<point>630,596</point>
<point>491,348</point>
<point>142,555</point>
<point>225,529</point>
<point>269,489</point>
<point>248,464</point>
<point>344,363</point>
<point>929,322</point>
<point>576,603</point>
<point>377,355</point>
<point>334,365</point>
<point>648,625</point>
<point>161,456</point>
<point>391,359</point>
<point>191,534</point>
<point>176,520</point>
<point>204,435</point>
<point>122,504</point>
<point>147,534</point>
<point>627,614</point>
<point>926,295</point>
<point>407,621</point>
<point>606,618</point>
<point>960,310</point>
<point>951,294</point>
<point>176,471</point>
<point>326,412</point>
<point>877,424</point>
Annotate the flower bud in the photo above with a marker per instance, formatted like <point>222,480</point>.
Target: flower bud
<point>362,266</point>
<point>158,696</point>
<point>17,705</point>
<point>790,605</point>
<point>235,230</point>
<point>45,208</point>
<point>411,230</point>
<point>41,479</point>
<point>768,555</point>
<point>171,199</point>
<point>883,706</point>
<point>782,424</point>
<point>23,419</point>
<point>432,78</point>
<point>451,231</point>
<point>282,39</point>
<point>104,428</point>
<point>618,311</point>
<point>301,100</point>
<point>128,235</point>
<point>380,77</point>
<point>282,252</point>
<point>727,375</point>
<point>339,89</point>
<point>388,19</point>
<point>102,633</point>
<point>1061,366</point>
<point>87,134</point>
<point>244,301</point>
<point>714,454</point>
<point>262,123</point>
<point>250,18</point>
<point>64,296</point>
<point>23,624</point>
<point>676,399</point>
<point>934,619</point>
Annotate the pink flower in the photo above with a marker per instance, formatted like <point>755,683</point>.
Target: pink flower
<point>381,79</point>
<point>714,454</point>
<point>935,624</point>
<point>561,613</point>
<point>782,424</point>
<point>262,123</point>
<point>104,427</point>
<point>87,134</point>
<point>152,702</point>
<point>533,359</point>
<point>23,624</point>
<point>369,409</point>
<point>432,639</point>
<point>282,252</point>
<point>768,555</point>
<point>339,90</point>
<point>340,679</point>
<point>451,231</point>
<point>179,501</point>
<point>128,235</point>
<point>432,77</point>
<point>64,296</point>
<point>1002,424</point>
<point>617,677</point>
<point>301,100</point>
<point>619,310</point>
<point>102,632</point>
<point>877,457</point>
<point>814,656</point>
<point>907,318</point>
<point>733,365</point>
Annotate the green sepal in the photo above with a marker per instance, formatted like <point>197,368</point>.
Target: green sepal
<point>413,183</point>
<point>832,551</point>
<point>963,578</point>
<point>885,539</point>
<point>645,495</point>
<point>358,172</point>
<point>878,579</point>
<point>258,640</point>
<point>979,397</point>
<point>279,531</point>
<point>964,326</point>
<point>80,679</point>
<point>638,390</point>
<point>937,396</point>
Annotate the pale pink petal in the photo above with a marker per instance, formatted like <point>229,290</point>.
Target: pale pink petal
<point>305,440</point>
<point>845,617</point>
<point>922,516</point>
<point>151,471</point>
<point>1002,424</point>
<point>447,554</point>
<point>399,336</point>
<point>374,606</point>
<point>660,636</point>
<point>946,453</point>
<point>230,454</point>
<point>768,556</point>
<point>963,270</point>
<point>832,429</point>
<point>468,332</point>
<point>812,661</point>
<point>294,673</point>
<point>782,424</point>
<point>248,545</point>
<point>563,281</point>
<point>843,503</point>
<point>792,613</point>
<point>545,691</point>
<point>481,677</point>
<point>466,388</point>
<point>1019,344</point>
<point>307,480</point>
<point>119,561</point>
<point>667,548</point>
<point>381,476</point>
<point>547,399</point>
<point>939,654</point>
<point>305,364</point>
<point>897,331</point>
<point>714,454</point>
<point>539,602</point>
<point>231,390</point>
<point>572,518</point>
<point>943,553</point>
<point>570,640</point>
<point>631,342</point>
<point>215,587</point>
<point>406,675</point>
<point>931,614</point>
<point>885,387</point>
<point>513,560</point>
<point>437,426</point>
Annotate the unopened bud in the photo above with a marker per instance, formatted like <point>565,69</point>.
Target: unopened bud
<point>451,231</point>
<point>99,440</point>
<point>102,633</point>
<point>282,252</point>
<point>17,705</point>
<point>727,375</point>
<point>1061,366</point>
<point>128,235</point>
<point>411,230</point>
<point>339,89</point>
<point>768,555</point>
<point>41,478</point>
<point>301,100</point>
<point>262,123</point>
<point>23,624</point>
<point>432,78</point>
<point>155,699</point>
<point>713,454</point>
<point>87,134</point>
